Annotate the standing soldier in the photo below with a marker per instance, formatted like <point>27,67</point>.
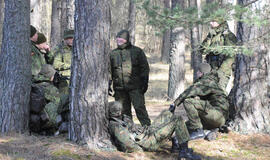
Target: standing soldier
<point>216,48</point>
<point>130,73</point>
<point>62,60</point>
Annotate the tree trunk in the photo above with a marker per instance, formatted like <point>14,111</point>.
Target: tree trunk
<point>166,39</point>
<point>89,80</point>
<point>41,16</point>
<point>70,14</point>
<point>250,101</point>
<point>56,25</point>
<point>2,6</point>
<point>196,58</point>
<point>177,58</point>
<point>63,16</point>
<point>15,68</point>
<point>132,20</point>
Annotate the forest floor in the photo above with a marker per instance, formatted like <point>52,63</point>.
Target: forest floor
<point>232,146</point>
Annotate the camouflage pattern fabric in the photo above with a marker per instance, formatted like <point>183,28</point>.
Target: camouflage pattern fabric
<point>149,138</point>
<point>37,59</point>
<point>205,102</point>
<point>62,63</point>
<point>135,97</point>
<point>222,63</point>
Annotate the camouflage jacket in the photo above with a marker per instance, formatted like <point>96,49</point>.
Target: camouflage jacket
<point>38,61</point>
<point>219,59</point>
<point>129,67</point>
<point>62,59</point>
<point>207,88</point>
<point>123,134</point>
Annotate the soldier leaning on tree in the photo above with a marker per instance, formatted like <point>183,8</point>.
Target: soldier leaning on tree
<point>44,96</point>
<point>205,102</point>
<point>129,137</point>
<point>130,72</point>
<point>216,46</point>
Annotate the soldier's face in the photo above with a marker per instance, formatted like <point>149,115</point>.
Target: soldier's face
<point>120,41</point>
<point>69,41</point>
<point>34,38</point>
<point>199,74</point>
<point>214,24</point>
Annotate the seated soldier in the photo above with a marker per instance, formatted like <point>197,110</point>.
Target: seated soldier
<point>205,103</point>
<point>129,137</point>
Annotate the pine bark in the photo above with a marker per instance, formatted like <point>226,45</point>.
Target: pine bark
<point>89,80</point>
<point>132,20</point>
<point>15,68</point>
<point>196,58</point>
<point>56,25</point>
<point>166,38</point>
<point>2,6</point>
<point>250,110</point>
<point>177,58</point>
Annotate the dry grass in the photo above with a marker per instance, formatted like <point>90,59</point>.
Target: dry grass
<point>230,146</point>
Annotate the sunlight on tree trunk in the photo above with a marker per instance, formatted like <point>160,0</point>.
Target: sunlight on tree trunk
<point>132,21</point>
<point>15,68</point>
<point>177,58</point>
<point>56,25</point>
<point>251,111</point>
<point>166,39</point>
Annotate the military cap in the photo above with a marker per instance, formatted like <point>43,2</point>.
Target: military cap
<point>68,33</point>
<point>33,31</point>
<point>41,38</point>
<point>47,70</point>
<point>115,109</point>
<point>123,34</point>
<point>204,68</point>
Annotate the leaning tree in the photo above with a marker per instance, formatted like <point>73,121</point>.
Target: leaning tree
<point>15,67</point>
<point>89,79</point>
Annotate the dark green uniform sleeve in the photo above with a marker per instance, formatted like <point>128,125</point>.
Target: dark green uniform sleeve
<point>200,88</point>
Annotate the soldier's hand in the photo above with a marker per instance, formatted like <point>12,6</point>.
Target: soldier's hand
<point>172,108</point>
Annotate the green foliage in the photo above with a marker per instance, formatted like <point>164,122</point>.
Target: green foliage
<point>187,17</point>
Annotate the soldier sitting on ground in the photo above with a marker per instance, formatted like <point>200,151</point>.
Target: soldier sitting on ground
<point>205,103</point>
<point>129,137</point>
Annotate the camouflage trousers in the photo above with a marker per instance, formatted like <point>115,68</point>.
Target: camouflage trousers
<point>136,97</point>
<point>161,130</point>
<point>201,114</point>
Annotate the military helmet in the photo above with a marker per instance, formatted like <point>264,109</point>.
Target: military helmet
<point>68,33</point>
<point>115,109</point>
<point>41,38</point>
<point>204,68</point>
<point>47,70</point>
<point>33,31</point>
<point>123,34</point>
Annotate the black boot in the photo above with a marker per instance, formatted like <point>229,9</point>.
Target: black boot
<point>175,146</point>
<point>197,134</point>
<point>187,153</point>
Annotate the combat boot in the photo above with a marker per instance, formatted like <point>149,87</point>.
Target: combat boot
<point>175,146</point>
<point>187,153</point>
<point>197,134</point>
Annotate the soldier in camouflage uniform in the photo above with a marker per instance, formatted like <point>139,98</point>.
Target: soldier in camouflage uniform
<point>62,60</point>
<point>205,102</point>
<point>129,73</point>
<point>221,61</point>
<point>43,77</point>
<point>130,137</point>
